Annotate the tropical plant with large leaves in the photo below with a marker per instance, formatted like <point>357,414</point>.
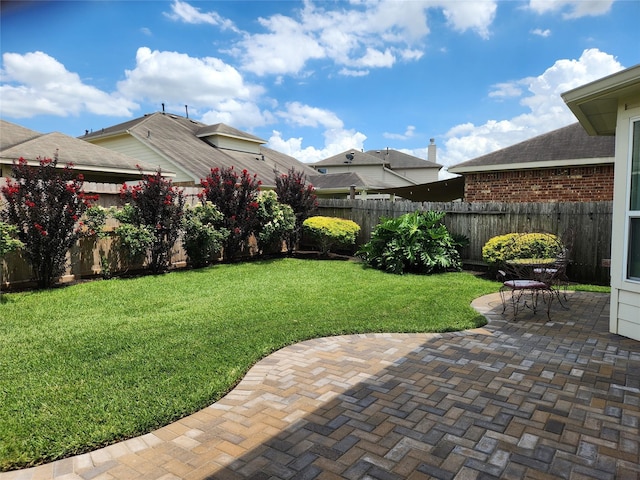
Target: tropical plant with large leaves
<point>416,242</point>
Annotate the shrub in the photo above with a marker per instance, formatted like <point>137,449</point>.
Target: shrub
<point>236,197</point>
<point>45,204</point>
<point>155,208</point>
<point>276,221</point>
<point>203,234</point>
<point>329,232</point>
<point>511,246</point>
<point>416,242</point>
<point>293,190</point>
<point>8,242</point>
<point>133,240</point>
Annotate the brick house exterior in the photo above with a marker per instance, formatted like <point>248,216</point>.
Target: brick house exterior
<point>565,165</point>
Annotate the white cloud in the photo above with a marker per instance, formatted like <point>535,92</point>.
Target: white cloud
<point>178,78</point>
<point>409,133</point>
<point>545,109</point>
<point>284,50</point>
<point>375,59</point>
<point>37,84</point>
<point>477,16</point>
<point>239,114</point>
<point>182,11</point>
<point>336,141</point>
<point>572,8</point>
<point>541,33</point>
<point>506,90</point>
<point>307,116</point>
<point>356,36</point>
<point>347,72</point>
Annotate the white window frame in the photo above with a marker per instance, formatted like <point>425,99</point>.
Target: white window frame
<point>630,214</point>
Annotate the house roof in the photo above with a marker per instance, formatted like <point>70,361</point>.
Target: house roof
<point>12,134</point>
<point>342,181</point>
<point>19,142</point>
<point>595,104</point>
<point>350,157</point>
<point>402,160</point>
<point>565,146</point>
<point>227,131</point>
<point>182,142</point>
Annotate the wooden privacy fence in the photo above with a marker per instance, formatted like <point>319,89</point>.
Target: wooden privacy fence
<point>590,221</point>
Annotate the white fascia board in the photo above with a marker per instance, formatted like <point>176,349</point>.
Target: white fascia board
<point>578,162</point>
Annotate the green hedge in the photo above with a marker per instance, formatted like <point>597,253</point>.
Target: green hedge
<point>514,246</point>
<point>330,232</point>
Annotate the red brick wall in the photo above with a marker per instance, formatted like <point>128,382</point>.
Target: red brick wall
<point>580,184</point>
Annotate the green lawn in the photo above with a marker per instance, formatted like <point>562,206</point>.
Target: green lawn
<point>87,365</point>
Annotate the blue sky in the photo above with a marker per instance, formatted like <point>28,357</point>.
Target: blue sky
<point>315,78</point>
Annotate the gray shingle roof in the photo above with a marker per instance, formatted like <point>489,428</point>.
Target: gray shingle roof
<point>342,180</point>
<point>567,143</point>
<point>12,134</point>
<point>353,157</point>
<point>85,156</point>
<point>402,160</point>
<point>177,139</point>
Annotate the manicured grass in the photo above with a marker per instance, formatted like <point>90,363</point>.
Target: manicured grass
<point>94,363</point>
<point>590,288</point>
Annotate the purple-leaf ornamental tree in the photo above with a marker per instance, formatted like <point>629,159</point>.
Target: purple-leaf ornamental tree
<point>292,189</point>
<point>45,203</point>
<point>236,196</point>
<point>158,205</point>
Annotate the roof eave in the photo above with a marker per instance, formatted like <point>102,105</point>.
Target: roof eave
<point>595,104</point>
<point>578,162</point>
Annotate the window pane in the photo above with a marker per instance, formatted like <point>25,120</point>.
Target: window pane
<point>635,168</point>
<point>633,262</point>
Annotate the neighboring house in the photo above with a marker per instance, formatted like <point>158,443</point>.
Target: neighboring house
<point>607,107</point>
<point>191,149</point>
<point>342,185</point>
<point>97,164</point>
<point>565,165</point>
<point>376,170</point>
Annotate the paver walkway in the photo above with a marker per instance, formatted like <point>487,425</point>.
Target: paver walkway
<point>533,399</point>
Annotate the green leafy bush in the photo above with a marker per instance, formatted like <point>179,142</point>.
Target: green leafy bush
<point>512,246</point>
<point>416,242</point>
<point>8,242</point>
<point>330,232</point>
<point>276,221</point>
<point>133,239</point>
<point>203,234</point>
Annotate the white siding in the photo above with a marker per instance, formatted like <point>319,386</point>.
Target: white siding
<point>625,294</point>
<point>419,175</point>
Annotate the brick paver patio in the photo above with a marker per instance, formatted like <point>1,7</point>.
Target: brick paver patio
<point>532,399</point>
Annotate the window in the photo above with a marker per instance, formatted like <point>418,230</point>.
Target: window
<point>321,170</point>
<point>633,213</point>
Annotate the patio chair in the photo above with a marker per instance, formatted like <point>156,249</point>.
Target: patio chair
<point>556,274</point>
<point>525,290</point>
